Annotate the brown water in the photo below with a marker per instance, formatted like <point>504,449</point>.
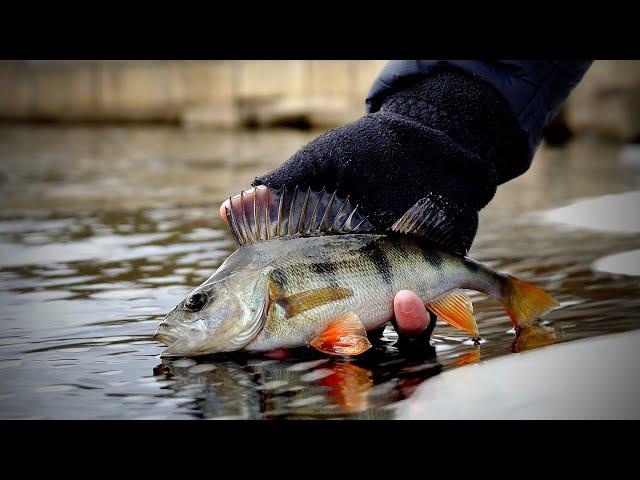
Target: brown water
<point>103,230</point>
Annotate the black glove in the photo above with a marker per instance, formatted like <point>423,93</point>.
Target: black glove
<point>448,135</point>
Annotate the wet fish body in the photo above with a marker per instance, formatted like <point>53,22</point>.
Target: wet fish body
<point>351,273</point>
<point>310,271</point>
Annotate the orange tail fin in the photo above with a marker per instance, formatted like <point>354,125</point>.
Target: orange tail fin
<point>525,302</point>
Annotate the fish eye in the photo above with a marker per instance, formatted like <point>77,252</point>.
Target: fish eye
<point>196,301</point>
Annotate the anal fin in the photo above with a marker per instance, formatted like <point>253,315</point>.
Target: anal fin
<point>344,336</point>
<point>456,309</point>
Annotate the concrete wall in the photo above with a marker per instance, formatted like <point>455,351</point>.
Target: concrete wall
<point>219,93</point>
<point>231,93</point>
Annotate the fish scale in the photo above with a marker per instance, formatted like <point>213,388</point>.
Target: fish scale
<point>410,266</point>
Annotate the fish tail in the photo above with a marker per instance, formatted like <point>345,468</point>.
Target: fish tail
<point>524,301</point>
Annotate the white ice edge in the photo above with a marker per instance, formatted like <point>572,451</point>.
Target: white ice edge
<point>608,213</point>
<point>586,379</point>
<point>625,263</point>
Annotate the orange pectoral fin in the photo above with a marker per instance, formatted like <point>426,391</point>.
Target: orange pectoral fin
<point>457,310</point>
<point>303,301</point>
<point>344,336</point>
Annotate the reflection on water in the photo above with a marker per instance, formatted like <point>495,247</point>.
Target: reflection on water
<point>311,386</point>
<point>535,336</point>
<point>102,230</point>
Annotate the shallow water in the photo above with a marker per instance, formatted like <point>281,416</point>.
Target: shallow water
<point>103,230</point>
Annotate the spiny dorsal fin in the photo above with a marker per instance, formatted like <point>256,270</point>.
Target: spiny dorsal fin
<point>436,220</point>
<point>265,213</point>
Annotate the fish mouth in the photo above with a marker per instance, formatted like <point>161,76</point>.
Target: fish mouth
<point>177,344</point>
<point>175,347</point>
<point>164,334</point>
<point>162,338</point>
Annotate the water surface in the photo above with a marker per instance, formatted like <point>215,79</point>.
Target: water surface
<point>103,230</point>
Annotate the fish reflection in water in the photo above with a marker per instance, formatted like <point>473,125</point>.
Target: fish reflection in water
<point>307,385</point>
<point>310,385</point>
<point>535,336</point>
<point>528,338</point>
<point>223,390</point>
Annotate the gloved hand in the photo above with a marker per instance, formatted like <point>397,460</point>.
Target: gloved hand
<point>447,135</point>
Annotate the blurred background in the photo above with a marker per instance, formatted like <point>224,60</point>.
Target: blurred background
<point>111,174</point>
<point>192,93</point>
<point>231,94</point>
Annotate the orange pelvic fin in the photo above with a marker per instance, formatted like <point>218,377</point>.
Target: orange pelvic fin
<point>344,336</point>
<point>456,309</point>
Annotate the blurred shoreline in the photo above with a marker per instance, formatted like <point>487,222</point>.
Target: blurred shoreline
<point>304,94</point>
<point>212,94</point>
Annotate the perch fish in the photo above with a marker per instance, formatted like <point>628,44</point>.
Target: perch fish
<point>310,270</point>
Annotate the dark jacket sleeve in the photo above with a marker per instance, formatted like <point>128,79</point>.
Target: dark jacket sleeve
<point>533,90</point>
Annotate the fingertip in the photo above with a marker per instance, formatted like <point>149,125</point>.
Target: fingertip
<point>223,210</point>
<point>411,315</point>
<point>261,192</point>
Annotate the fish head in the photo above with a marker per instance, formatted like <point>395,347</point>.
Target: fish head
<point>218,316</point>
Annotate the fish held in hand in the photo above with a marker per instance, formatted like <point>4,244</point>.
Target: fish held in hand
<point>310,270</point>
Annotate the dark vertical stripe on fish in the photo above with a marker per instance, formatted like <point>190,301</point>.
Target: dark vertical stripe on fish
<point>379,258</point>
<point>327,270</point>
<point>279,277</point>
<point>433,259</point>
<point>323,268</point>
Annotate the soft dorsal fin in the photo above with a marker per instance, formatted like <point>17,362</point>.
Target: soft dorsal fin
<point>434,219</point>
<point>265,213</point>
